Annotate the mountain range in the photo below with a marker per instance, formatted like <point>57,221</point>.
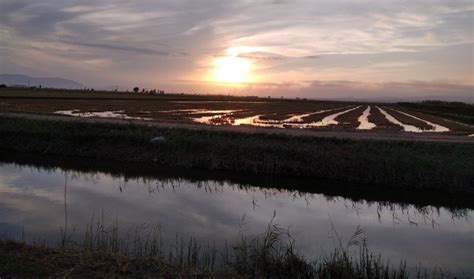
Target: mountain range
<point>56,82</point>
<point>24,80</point>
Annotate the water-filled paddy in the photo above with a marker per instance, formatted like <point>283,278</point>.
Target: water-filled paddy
<point>241,111</point>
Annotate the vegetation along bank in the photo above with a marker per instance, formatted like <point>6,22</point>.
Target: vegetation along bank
<point>377,163</point>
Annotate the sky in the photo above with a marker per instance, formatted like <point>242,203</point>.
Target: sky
<point>292,48</point>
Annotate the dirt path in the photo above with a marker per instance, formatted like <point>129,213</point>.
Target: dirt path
<point>366,135</point>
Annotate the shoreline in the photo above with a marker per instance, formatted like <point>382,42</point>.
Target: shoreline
<point>268,255</point>
<point>328,188</point>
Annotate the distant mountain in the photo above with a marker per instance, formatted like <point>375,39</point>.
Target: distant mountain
<point>24,80</point>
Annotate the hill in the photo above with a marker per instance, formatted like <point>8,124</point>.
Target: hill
<point>24,80</point>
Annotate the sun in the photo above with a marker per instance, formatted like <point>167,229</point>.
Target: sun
<point>232,69</point>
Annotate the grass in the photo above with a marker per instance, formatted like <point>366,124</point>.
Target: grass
<point>141,253</point>
<point>444,167</point>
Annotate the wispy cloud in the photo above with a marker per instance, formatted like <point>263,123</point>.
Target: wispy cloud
<point>126,48</point>
<point>156,42</point>
<point>384,91</point>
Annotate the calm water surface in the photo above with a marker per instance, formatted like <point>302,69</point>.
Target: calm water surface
<point>33,200</point>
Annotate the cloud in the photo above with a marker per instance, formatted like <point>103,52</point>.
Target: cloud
<point>339,89</point>
<point>156,42</point>
<point>125,48</point>
<point>384,91</point>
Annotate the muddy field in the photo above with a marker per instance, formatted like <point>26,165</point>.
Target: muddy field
<point>232,111</point>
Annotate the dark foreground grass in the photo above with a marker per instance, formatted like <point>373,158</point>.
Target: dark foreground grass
<point>412,165</point>
<point>103,254</point>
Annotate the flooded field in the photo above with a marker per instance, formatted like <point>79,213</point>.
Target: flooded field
<point>36,203</point>
<point>405,127</point>
<point>99,114</point>
<point>365,124</point>
<point>256,112</point>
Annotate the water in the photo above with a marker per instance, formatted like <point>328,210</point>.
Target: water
<point>406,127</point>
<point>436,127</point>
<point>294,121</point>
<point>217,114</point>
<point>100,114</point>
<point>299,118</point>
<point>331,119</point>
<point>365,124</point>
<point>33,200</point>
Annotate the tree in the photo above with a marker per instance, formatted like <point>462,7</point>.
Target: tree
<point>135,89</point>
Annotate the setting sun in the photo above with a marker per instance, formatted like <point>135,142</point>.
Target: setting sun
<point>232,69</point>
<point>191,124</point>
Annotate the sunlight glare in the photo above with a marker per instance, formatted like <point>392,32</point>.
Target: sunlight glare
<point>231,69</point>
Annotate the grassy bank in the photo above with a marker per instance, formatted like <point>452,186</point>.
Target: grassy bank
<point>446,167</point>
<point>104,254</point>
<point>328,187</point>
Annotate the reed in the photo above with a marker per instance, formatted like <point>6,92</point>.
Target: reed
<point>105,252</point>
<point>380,164</point>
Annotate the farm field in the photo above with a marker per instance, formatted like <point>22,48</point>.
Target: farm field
<point>397,166</point>
<point>239,111</point>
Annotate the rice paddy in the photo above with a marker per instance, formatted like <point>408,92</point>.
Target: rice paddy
<point>99,114</point>
<point>365,124</point>
<point>235,111</point>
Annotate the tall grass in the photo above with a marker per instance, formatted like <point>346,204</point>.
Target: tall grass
<point>161,176</point>
<point>104,251</point>
<point>421,165</point>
